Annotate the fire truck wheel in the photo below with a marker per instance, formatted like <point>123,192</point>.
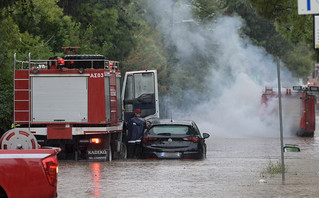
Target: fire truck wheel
<point>109,157</point>
<point>123,151</point>
<point>18,139</point>
<point>122,154</point>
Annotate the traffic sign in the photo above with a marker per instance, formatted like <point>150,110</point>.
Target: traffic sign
<point>316,31</point>
<point>308,7</point>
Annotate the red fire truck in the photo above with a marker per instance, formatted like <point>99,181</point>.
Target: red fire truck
<point>314,81</point>
<point>75,103</point>
<point>299,104</point>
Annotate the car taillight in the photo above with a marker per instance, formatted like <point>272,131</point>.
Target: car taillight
<point>191,139</point>
<point>146,139</point>
<point>50,166</point>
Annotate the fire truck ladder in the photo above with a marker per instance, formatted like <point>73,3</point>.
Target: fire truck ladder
<point>22,92</point>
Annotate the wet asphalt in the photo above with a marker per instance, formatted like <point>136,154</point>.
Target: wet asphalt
<point>233,168</point>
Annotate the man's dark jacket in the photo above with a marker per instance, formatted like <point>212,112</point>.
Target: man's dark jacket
<point>136,126</point>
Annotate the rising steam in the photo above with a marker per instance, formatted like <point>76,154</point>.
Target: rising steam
<point>238,72</point>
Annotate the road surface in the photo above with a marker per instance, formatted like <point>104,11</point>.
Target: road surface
<point>232,169</point>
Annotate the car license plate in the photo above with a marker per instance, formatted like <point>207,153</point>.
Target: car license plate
<point>170,155</point>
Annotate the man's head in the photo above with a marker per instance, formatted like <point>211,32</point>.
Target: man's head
<point>138,112</point>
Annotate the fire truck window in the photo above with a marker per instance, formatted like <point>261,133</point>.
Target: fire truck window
<point>129,95</point>
<point>144,83</point>
<point>129,92</point>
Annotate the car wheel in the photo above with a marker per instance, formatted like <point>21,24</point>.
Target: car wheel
<point>109,155</point>
<point>2,193</point>
<point>203,153</point>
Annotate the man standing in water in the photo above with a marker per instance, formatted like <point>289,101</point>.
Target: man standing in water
<point>136,127</point>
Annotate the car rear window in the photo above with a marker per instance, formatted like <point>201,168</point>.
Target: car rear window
<point>170,130</point>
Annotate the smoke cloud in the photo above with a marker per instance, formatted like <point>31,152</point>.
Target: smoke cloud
<point>238,73</point>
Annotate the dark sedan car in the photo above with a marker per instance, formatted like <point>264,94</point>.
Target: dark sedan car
<point>174,139</point>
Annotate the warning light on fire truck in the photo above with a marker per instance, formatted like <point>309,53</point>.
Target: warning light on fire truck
<point>61,61</point>
<point>35,70</point>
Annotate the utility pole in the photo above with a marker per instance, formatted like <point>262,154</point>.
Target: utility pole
<point>169,60</point>
<point>281,125</point>
<point>171,28</point>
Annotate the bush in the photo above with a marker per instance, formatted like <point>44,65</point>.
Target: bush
<point>272,168</point>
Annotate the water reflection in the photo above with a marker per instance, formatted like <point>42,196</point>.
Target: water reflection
<point>96,170</point>
<point>310,146</point>
<point>232,169</point>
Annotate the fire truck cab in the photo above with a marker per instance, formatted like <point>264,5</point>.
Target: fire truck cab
<point>75,103</point>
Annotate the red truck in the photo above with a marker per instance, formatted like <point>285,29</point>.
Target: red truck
<point>299,105</point>
<point>25,170</point>
<point>78,103</point>
<point>28,173</point>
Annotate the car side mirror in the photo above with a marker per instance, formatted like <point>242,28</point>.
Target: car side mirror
<point>205,135</point>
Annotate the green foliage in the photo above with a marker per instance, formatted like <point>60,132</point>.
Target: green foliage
<point>274,25</point>
<point>300,60</point>
<point>5,3</point>
<point>110,27</point>
<point>8,39</point>
<point>293,27</point>
<point>14,40</point>
<point>119,30</point>
<point>208,10</point>
<point>44,19</point>
<point>99,27</point>
<point>149,53</point>
<point>6,105</point>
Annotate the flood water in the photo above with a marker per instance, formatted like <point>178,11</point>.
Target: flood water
<point>232,169</point>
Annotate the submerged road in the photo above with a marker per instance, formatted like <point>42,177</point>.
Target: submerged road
<point>232,169</point>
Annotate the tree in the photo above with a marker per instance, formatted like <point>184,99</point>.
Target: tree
<point>297,29</point>
<point>12,41</point>
<point>43,18</point>
<point>268,24</point>
<point>149,54</point>
<point>294,27</point>
<point>111,27</point>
